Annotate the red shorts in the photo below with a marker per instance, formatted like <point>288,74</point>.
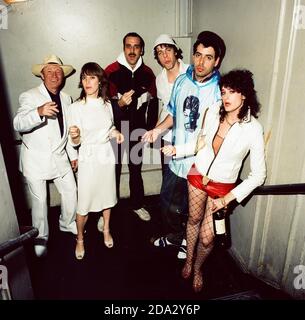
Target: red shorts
<point>213,189</point>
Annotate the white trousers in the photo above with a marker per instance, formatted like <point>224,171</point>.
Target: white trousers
<point>66,186</point>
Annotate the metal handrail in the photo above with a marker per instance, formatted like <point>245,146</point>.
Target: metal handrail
<point>280,189</point>
<point>10,245</point>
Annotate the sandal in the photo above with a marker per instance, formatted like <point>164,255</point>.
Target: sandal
<point>79,253</point>
<point>109,242</point>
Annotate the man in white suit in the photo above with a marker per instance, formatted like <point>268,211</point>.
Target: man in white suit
<point>45,154</point>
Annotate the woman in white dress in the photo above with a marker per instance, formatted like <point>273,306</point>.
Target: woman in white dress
<point>90,122</point>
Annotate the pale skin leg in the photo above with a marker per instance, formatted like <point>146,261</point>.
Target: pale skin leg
<point>80,224</point>
<point>106,216</point>
<point>199,227</point>
<point>197,203</point>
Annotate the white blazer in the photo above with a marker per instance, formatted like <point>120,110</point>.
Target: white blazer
<point>243,137</point>
<point>43,151</point>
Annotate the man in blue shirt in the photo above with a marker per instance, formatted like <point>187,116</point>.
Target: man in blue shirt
<point>192,94</point>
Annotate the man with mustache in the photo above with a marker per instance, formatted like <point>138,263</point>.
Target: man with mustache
<point>132,84</point>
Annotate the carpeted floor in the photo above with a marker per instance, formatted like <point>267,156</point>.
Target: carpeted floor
<point>133,269</point>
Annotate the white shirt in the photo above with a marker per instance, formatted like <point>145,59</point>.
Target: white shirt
<point>164,90</point>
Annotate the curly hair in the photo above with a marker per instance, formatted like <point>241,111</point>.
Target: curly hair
<point>177,52</point>
<point>93,69</point>
<point>211,39</point>
<point>242,82</point>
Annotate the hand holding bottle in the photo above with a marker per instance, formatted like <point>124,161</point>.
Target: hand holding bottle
<point>222,202</point>
<point>218,204</point>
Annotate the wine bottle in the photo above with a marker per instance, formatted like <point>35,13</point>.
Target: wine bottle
<point>219,224</point>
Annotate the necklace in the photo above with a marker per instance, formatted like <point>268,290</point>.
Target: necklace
<point>229,123</point>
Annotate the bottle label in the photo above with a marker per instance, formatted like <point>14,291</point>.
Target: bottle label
<point>220,226</point>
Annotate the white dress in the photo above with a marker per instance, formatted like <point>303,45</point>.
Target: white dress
<point>96,160</point>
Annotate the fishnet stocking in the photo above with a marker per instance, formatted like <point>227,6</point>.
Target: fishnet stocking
<point>206,237</point>
<point>197,201</point>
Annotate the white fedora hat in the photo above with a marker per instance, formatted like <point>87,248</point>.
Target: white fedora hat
<point>52,59</point>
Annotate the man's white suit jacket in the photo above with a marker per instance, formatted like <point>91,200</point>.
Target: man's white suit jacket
<point>43,151</point>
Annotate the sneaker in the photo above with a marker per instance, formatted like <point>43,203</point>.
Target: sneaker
<point>100,224</point>
<point>40,247</point>
<point>40,251</point>
<point>182,250</point>
<point>143,214</point>
<point>162,242</point>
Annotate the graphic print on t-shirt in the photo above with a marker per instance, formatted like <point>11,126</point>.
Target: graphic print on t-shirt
<point>191,114</point>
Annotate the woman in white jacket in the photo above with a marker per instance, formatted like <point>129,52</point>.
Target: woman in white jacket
<point>229,134</point>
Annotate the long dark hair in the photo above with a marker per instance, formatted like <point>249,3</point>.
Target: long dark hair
<point>242,82</point>
<point>93,69</point>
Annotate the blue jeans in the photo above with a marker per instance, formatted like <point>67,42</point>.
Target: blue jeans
<point>174,206</point>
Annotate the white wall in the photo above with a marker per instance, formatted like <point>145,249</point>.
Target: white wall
<point>268,233</point>
<point>79,31</point>
<point>9,226</point>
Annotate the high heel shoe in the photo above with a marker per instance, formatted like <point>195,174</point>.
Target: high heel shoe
<point>197,281</point>
<point>79,253</point>
<point>109,242</point>
<point>186,270</point>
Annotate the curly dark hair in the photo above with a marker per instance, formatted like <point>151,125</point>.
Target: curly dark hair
<point>177,52</point>
<point>242,82</point>
<point>93,69</point>
<point>211,39</point>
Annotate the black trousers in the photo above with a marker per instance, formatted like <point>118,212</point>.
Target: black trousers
<point>134,151</point>
<point>164,159</point>
<point>174,206</point>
